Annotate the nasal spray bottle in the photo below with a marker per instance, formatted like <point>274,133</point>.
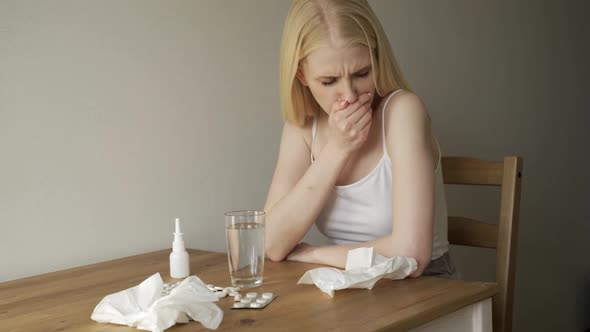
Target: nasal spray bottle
<point>179,267</point>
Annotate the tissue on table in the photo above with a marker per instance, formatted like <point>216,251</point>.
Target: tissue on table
<point>144,307</point>
<point>360,258</point>
<point>329,279</point>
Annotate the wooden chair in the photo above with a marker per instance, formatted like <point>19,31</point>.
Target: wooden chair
<point>503,236</point>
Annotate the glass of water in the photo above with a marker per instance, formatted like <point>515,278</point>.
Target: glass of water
<point>244,232</point>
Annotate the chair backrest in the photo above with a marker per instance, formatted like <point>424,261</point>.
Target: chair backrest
<point>503,236</point>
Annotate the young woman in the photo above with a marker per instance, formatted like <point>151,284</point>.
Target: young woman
<point>357,154</point>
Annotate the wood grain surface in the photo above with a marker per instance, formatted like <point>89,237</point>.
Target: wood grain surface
<point>64,300</point>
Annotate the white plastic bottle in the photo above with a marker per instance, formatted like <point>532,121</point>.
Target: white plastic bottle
<point>179,266</point>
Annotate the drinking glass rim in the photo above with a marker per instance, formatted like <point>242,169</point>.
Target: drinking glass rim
<point>245,213</point>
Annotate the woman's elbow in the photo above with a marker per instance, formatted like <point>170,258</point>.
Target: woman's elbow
<point>422,254</point>
<point>274,255</point>
<point>422,261</point>
<point>271,248</point>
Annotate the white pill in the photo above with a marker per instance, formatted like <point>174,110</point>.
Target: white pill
<point>261,300</point>
<point>221,294</point>
<point>210,285</point>
<point>246,300</point>
<point>237,288</point>
<point>239,305</point>
<point>252,295</point>
<point>166,284</point>
<point>267,296</point>
<point>233,293</point>
<point>237,297</point>
<point>218,288</point>
<point>255,305</point>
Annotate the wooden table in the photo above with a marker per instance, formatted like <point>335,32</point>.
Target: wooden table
<point>64,300</point>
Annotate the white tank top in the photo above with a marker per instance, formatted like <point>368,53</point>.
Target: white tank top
<point>362,211</point>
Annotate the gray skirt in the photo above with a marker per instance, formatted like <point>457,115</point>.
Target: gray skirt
<point>442,266</point>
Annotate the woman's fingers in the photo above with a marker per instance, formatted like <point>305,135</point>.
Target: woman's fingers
<point>338,106</point>
<point>360,101</point>
<point>349,127</point>
<point>359,114</point>
<point>364,120</point>
<point>343,109</point>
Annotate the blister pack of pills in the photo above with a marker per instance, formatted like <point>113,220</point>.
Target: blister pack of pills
<point>253,301</point>
<point>250,301</point>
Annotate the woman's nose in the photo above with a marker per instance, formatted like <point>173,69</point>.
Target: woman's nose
<point>349,94</point>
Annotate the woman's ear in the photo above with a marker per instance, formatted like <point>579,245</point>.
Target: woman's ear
<point>301,77</point>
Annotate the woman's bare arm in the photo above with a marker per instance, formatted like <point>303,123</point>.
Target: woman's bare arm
<point>298,191</point>
<point>410,145</point>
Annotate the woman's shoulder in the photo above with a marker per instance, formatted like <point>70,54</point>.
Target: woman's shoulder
<point>406,97</point>
<point>408,125</point>
<point>404,108</point>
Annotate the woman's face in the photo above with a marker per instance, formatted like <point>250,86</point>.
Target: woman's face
<point>335,74</point>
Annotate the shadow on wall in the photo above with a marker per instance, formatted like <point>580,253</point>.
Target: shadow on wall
<point>583,303</point>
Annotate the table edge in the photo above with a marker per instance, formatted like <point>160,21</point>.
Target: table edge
<point>488,290</point>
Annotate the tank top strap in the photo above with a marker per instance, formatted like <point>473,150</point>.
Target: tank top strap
<point>383,122</point>
<point>439,155</point>
<point>314,128</point>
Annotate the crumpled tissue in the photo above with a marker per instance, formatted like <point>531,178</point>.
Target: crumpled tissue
<point>144,307</point>
<point>360,272</point>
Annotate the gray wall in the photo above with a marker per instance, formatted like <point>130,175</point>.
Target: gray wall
<point>503,78</point>
<point>116,117</point>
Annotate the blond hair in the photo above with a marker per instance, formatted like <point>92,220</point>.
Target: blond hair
<point>312,23</point>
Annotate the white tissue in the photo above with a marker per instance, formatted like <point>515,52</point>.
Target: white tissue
<point>360,258</point>
<point>144,307</point>
<point>329,279</point>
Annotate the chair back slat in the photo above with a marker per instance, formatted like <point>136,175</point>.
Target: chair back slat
<point>470,171</point>
<point>470,232</point>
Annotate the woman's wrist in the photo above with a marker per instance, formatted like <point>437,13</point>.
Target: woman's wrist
<point>332,255</point>
<point>316,255</point>
<point>336,153</point>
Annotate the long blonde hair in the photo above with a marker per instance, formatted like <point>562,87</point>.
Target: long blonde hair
<point>308,26</point>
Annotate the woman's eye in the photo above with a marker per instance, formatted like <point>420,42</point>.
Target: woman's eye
<point>365,74</point>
